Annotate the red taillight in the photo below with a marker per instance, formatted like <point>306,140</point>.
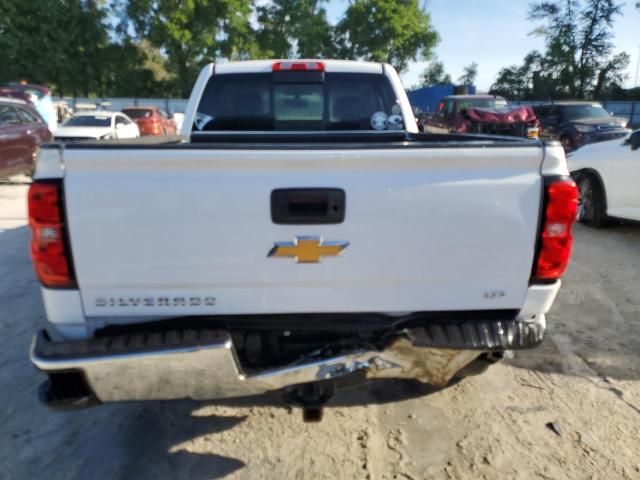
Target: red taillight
<point>556,240</point>
<point>49,250</point>
<point>298,66</point>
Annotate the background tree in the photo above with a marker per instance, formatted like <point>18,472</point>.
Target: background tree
<point>578,60</point>
<point>56,42</point>
<point>469,74</point>
<point>295,29</point>
<point>135,70</point>
<point>435,74</point>
<point>512,82</point>
<point>191,33</point>
<point>395,32</point>
<point>156,47</point>
<point>523,81</point>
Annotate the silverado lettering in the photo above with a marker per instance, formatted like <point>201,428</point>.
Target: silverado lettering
<point>153,301</point>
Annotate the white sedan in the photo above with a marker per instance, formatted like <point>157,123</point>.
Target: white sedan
<point>97,125</point>
<point>608,177</point>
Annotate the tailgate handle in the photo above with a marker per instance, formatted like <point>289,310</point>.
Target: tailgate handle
<point>307,206</point>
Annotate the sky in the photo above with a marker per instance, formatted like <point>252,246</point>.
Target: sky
<point>495,34</point>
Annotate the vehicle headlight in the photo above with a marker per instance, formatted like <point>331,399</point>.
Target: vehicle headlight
<point>585,128</point>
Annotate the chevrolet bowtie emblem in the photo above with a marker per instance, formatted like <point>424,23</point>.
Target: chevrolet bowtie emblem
<point>307,249</point>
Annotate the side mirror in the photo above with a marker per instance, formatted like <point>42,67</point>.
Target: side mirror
<point>119,126</point>
<point>634,141</point>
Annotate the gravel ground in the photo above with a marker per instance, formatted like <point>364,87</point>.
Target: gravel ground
<point>570,409</point>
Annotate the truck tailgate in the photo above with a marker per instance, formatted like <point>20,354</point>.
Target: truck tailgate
<point>187,231</point>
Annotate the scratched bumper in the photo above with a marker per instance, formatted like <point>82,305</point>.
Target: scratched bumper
<point>203,364</point>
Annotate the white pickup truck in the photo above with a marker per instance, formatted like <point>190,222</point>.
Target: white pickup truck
<point>300,235</point>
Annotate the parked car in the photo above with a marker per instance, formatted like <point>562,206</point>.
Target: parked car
<point>488,114</point>
<point>274,250</point>
<point>22,131</point>
<point>41,97</point>
<point>578,123</point>
<point>608,174</point>
<point>98,125</point>
<point>151,120</point>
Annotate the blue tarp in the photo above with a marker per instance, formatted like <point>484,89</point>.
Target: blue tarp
<point>427,98</point>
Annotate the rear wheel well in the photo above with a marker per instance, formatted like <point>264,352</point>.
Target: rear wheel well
<point>593,173</point>
<point>593,200</point>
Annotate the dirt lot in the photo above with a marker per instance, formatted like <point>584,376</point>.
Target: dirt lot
<point>585,379</point>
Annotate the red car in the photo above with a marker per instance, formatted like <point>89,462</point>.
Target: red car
<point>22,131</point>
<point>151,120</point>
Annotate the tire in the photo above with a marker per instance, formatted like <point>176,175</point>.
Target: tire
<point>591,209</point>
<point>566,142</point>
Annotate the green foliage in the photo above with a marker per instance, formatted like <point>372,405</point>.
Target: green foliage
<point>395,32</point>
<point>65,44</point>
<point>295,29</point>
<point>191,33</point>
<point>434,74</point>
<point>469,75</point>
<point>157,47</point>
<point>522,81</point>
<point>578,60</point>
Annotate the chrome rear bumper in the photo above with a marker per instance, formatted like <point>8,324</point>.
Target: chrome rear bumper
<point>203,364</point>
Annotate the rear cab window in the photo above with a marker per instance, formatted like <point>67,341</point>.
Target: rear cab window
<point>298,101</point>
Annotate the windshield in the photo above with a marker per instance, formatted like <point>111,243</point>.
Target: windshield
<point>298,101</point>
<point>483,103</point>
<point>137,113</point>
<point>88,121</point>
<point>576,112</point>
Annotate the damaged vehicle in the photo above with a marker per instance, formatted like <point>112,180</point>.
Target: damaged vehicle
<point>485,114</point>
<point>576,124</point>
<point>300,236</point>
